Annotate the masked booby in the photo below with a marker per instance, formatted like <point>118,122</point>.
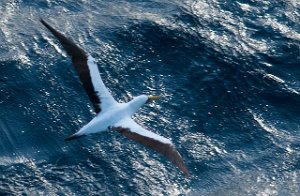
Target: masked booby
<point>111,115</point>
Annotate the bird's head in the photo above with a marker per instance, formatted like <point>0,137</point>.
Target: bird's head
<point>137,102</point>
<point>152,98</point>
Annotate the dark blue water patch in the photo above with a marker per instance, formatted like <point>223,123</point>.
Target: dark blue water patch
<point>72,6</point>
<point>40,4</point>
<point>157,53</point>
<point>285,50</point>
<point>26,95</point>
<point>288,103</point>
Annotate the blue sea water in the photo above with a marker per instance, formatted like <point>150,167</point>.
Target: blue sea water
<point>228,72</point>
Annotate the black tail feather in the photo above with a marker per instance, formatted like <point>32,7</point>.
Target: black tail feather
<point>74,136</point>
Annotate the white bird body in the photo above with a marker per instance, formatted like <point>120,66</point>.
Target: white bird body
<point>108,118</point>
<point>111,114</point>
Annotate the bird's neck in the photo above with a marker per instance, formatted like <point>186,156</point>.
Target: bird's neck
<point>135,104</point>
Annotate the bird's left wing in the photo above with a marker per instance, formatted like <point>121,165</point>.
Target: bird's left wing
<point>87,70</point>
<point>129,128</point>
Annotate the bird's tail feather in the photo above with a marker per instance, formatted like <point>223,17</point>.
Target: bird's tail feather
<point>74,136</point>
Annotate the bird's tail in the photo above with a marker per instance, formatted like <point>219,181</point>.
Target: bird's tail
<point>74,136</point>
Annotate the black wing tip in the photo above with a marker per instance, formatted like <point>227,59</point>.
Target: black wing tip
<point>185,171</point>
<point>42,20</point>
<point>72,49</point>
<point>177,160</point>
<point>45,23</point>
<point>73,137</point>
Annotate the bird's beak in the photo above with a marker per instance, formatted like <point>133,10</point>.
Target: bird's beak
<point>152,98</point>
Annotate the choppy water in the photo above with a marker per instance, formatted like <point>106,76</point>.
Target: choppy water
<point>228,72</point>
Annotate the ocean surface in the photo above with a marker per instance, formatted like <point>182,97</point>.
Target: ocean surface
<point>228,73</point>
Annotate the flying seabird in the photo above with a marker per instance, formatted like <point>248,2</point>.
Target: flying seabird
<point>111,115</point>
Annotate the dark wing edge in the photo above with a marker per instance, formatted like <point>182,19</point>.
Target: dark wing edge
<point>166,149</point>
<point>80,61</point>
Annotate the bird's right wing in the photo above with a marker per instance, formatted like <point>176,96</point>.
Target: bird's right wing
<point>88,72</point>
<point>129,128</point>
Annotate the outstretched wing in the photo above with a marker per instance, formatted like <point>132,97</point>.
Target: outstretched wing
<point>87,70</point>
<point>134,131</point>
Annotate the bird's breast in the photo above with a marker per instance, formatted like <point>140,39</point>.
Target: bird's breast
<point>104,120</point>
